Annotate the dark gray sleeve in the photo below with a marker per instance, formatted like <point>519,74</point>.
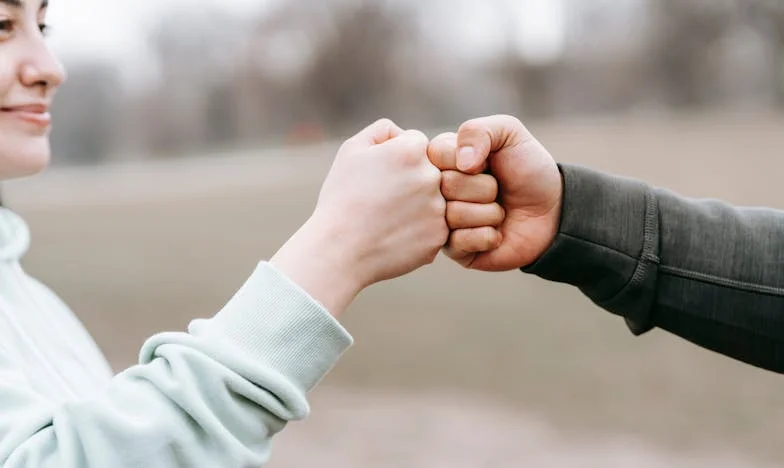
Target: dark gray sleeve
<point>701,269</point>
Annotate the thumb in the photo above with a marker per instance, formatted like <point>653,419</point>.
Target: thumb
<point>376,133</point>
<point>478,138</point>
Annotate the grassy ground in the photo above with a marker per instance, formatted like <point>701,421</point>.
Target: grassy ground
<point>146,248</point>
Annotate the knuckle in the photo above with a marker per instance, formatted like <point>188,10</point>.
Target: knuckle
<point>440,147</point>
<point>500,213</point>
<point>444,238</point>
<point>491,218</point>
<point>450,183</point>
<point>384,123</point>
<point>440,206</point>
<point>453,214</point>
<point>452,249</point>
<point>457,239</point>
<point>488,237</point>
<point>428,176</point>
<point>418,135</point>
<point>470,126</point>
<point>434,175</point>
<point>513,123</point>
<point>510,119</point>
<point>419,141</point>
<point>492,185</point>
<point>491,238</point>
<point>413,147</point>
<point>445,139</point>
<point>452,253</point>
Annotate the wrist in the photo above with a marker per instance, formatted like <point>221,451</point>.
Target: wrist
<point>550,224</point>
<point>315,258</point>
<point>554,224</point>
<point>556,212</point>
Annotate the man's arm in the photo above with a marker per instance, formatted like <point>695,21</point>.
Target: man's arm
<point>701,269</point>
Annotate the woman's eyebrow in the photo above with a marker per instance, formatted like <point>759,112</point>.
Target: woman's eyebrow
<point>18,3</point>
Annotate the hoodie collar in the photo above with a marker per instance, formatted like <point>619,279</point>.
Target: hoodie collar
<point>14,236</point>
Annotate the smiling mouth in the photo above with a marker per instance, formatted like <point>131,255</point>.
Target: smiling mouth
<point>35,114</point>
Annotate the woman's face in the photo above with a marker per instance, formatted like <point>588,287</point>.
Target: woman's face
<point>29,76</point>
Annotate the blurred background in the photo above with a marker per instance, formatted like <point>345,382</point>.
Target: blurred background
<point>192,137</point>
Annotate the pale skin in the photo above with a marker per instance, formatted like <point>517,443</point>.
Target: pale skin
<point>380,214</point>
<point>29,78</point>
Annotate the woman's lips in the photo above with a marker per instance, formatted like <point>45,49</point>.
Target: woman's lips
<point>36,114</point>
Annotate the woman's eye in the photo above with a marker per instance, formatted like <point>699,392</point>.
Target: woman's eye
<point>6,27</point>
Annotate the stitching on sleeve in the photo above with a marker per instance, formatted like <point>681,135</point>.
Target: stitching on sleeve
<point>650,247</point>
<point>720,281</point>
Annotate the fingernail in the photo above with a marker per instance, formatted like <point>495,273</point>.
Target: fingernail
<point>465,158</point>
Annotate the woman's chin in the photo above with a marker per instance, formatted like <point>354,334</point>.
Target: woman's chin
<point>23,160</point>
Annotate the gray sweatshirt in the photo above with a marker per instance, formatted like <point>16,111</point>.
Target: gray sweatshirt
<point>701,269</point>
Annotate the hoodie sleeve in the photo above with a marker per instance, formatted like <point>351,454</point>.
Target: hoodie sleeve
<point>212,397</point>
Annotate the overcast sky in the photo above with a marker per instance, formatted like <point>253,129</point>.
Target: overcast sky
<point>113,28</point>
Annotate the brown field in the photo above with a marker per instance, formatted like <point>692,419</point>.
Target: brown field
<point>450,368</point>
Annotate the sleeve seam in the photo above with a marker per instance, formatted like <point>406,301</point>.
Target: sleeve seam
<point>597,244</point>
<point>649,252</point>
<point>721,281</point>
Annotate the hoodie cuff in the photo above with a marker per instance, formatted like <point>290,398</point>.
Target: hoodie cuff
<point>274,321</point>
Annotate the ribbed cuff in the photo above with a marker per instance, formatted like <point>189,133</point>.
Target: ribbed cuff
<point>607,243</point>
<point>276,322</point>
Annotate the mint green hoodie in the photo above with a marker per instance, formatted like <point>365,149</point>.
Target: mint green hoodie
<point>211,397</point>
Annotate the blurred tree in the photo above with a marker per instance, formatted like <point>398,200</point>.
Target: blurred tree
<point>534,82</point>
<point>354,71</point>
<point>335,63</point>
<point>768,17</point>
<point>684,55</point>
<point>87,114</point>
<point>193,107</point>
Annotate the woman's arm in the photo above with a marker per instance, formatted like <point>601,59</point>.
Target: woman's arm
<point>216,395</point>
<point>211,397</point>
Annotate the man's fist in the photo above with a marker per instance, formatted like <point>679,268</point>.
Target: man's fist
<point>472,212</point>
<point>530,193</point>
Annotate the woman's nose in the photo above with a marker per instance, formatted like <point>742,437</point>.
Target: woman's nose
<point>42,68</point>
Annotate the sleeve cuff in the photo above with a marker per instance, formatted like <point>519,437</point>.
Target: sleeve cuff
<point>607,243</point>
<point>274,321</point>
